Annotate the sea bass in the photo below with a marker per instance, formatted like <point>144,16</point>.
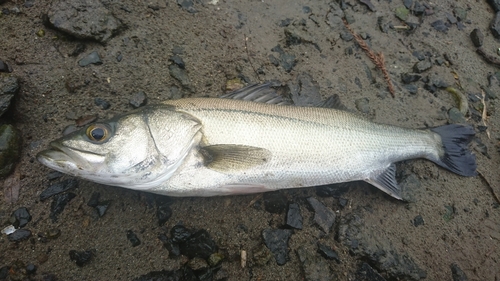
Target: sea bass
<point>221,146</point>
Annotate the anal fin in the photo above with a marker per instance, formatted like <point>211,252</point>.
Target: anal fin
<point>227,158</point>
<point>386,181</point>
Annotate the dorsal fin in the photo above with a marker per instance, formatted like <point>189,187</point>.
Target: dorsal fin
<point>258,93</point>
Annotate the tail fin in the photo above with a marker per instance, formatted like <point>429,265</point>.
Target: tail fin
<point>457,156</point>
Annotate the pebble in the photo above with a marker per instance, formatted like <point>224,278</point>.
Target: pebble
<point>323,216</point>
<point>9,87</point>
<point>19,235</point>
<point>84,19</point>
<point>328,253</point>
<point>178,61</point>
<point>314,268</point>
<point>460,13</point>
<point>180,75</point>
<point>163,210</point>
<point>81,258</point>
<point>262,255</point>
<point>138,99</point>
<point>418,220</point>
<point>287,61</point>
<point>102,207</point>
<point>422,66</point>
<point>172,247</point>
<point>4,67</point>
<point>180,234</point>
<point>362,105</point>
<point>304,91</point>
<point>20,217</point>
<point>274,202</point>
<point>456,117</point>
<point>366,273</point>
<point>276,240</point>
<point>57,188</point>
<point>408,78</point>
<point>457,274</point>
<point>31,268</point>
<point>10,142</point>
<point>495,25</point>
<point>402,13</point>
<point>293,216</point>
<point>412,89</point>
<point>187,5</point>
<point>92,58</point>
<point>439,25</point>
<point>215,259</point>
<point>132,237</point>
<point>104,104</point>
<point>58,204</point>
<point>199,244</point>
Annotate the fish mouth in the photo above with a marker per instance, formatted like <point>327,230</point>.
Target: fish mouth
<point>65,159</point>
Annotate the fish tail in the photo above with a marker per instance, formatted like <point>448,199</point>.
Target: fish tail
<point>457,157</point>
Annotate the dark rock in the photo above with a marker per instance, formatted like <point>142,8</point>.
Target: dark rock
<point>418,220</point>
<point>171,246</point>
<point>333,190</point>
<point>274,202</point>
<point>163,210</point>
<point>335,16</point>
<point>180,75</point>
<point>366,273</point>
<point>451,18</point>
<point>20,217</point>
<point>362,105</point>
<point>102,207</point>
<point>84,19</point>
<point>408,78</point>
<point>180,234</point>
<point>178,61</point>
<point>132,237</point>
<point>58,187</point>
<point>187,5</point>
<point>199,244</point>
<point>371,245</point>
<point>54,175</point>
<point>287,61</point>
<point>495,4</point>
<point>81,258</point>
<point>19,235</point>
<point>439,25</point>
<point>456,117</point>
<point>273,60</point>
<point>304,91</point>
<point>306,9</point>
<point>4,67</point>
<point>94,199</point>
<point>314,267</point>
<point>457,274</point>
<point>31,268</point>
<point>286,22</point>
<point>328,253</point>
<point>9,87</point>
<point>293,216</point>
<point>419,55</point>
<point>276,240</point>
<point>104,104</point>
<point>422,66</point>
<point>53,233</point>
<point>346,36</point>
<point>323,216</point>
<point>4,270</point>
<point>10,149</point>
<point>138,99</point>
<point>119,57</point>
<point>412,89</point>
<point>369,4</point>
<point>58,204</point>
<point>495,25</point>
<point>343,202</point>
<point>92,58</point>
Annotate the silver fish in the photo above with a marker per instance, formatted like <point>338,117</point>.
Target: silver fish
<point>216,146</point>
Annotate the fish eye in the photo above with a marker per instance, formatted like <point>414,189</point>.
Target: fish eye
<point>98,132</point>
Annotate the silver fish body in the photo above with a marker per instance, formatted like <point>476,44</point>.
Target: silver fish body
<point>209,147</point>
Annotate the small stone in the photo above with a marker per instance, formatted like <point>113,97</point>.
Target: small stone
<point>58,187</point>
<point>178,61</point>
<point>197,264</point>
<point>132,237</point>
<point>439,25</point>
<point>418,220</point>
<point>180,75</point>
<point>4,67</point>
<point>412,89</point>
<point>333,190</point>
<point>180,234</point>
<point>323,216</point>
<point>277,241</point>
<point>460,13</point>
<point>172,247</point>
<point>495,25</point>
<point>215,259</point>
<point>102,207</point>
<point>314,267</point>
<point>53,233</point>
<point>187,5</point>
<point>422,66</point>
<point>346,36</point>
<point>366,273</point>
<point>362,105</point>
<point>274,202</point>
<point>9,87</point>
<point>58,204</point>
<point>408,78</point>
<point>92,58</point>
<point>138,99</point>
<point>163,210</point>
<point>402,13</point>
<point>262,256</point>
<point>19,235</point>
<point>328,253</point>
<point>94,199</point>
<point>456,117</point>
<point>293,216</point>
<point>31,268</point>
<point>102,103</point>
<point>477,37</point>
<point>200,244</point>
<point>457,274</point>
<point>81,258</point>
<point>20,217</point>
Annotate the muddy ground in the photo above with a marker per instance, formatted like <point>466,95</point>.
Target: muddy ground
<point>224,40</point>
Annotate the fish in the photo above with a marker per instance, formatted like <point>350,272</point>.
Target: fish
<point>250,141</point>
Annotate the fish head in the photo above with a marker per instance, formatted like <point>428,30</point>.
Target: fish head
<point>138,150</point>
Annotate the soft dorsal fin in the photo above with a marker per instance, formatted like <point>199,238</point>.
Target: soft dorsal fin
<point>227,158</point>
<point>258,93</point>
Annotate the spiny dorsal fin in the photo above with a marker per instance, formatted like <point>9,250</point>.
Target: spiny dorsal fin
<point>227,158</point>
<point>258,93</point>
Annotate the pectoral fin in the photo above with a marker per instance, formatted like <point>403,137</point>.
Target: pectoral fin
<point>386,181</point>
<point>227,158</point>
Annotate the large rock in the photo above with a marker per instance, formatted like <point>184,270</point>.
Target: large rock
<point>84,19</point>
